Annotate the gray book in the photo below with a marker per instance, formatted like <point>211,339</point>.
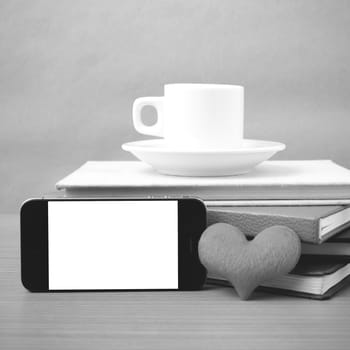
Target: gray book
<point>313,224</point>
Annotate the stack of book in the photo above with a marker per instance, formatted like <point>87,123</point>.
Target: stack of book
<point>311,197</point>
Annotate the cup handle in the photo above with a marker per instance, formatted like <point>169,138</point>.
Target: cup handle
<point>155,129</point>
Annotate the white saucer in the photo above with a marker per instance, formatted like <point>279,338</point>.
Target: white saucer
<point>172,160</point>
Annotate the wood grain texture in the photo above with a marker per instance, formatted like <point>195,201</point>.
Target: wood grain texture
<point>210,319</point>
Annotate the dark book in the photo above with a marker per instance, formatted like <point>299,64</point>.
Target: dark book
<point>337,247</point>
<point>315,278</point>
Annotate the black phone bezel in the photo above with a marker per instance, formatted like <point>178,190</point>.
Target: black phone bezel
<point>34,243</point>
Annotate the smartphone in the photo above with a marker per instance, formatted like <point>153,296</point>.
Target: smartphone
<point>111,244</point>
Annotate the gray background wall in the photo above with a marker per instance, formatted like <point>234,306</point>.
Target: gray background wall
<point>70,70</point>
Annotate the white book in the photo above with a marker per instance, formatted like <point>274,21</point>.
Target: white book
<point>316,181</point>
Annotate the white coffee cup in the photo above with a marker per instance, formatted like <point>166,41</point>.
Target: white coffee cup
<point>195,115</point>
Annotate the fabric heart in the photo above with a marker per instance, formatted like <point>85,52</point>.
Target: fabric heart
<point>225,252</point>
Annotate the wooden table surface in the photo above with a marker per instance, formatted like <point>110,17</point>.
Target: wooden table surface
<point>213,318</point>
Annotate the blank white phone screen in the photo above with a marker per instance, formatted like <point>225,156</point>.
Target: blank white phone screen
<point>113,245</point>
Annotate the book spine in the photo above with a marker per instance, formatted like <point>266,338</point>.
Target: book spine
<point>252,224</point>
